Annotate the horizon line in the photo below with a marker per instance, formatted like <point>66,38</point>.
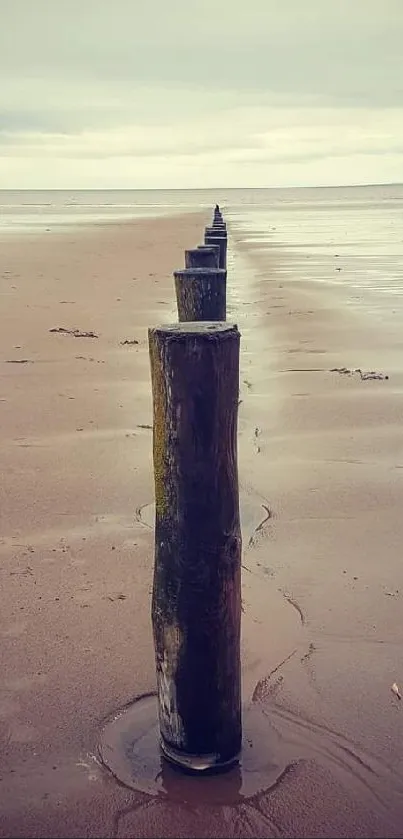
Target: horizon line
<point>196,188</point>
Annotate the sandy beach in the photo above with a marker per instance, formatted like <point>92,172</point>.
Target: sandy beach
<point>320,459</point>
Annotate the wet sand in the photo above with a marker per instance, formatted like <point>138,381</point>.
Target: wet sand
<point>321,488</point>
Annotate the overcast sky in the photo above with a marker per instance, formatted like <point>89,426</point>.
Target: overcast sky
<point>193,93</point>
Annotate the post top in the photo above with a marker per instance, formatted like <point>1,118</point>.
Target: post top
<point>212,248</point>
<point>188,328</point>
<point>191,272</point>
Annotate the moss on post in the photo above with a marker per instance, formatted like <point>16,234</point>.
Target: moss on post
<point>196,601</point>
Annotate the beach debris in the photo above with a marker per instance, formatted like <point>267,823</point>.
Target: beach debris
<point>396,691</point>
<point>365,375</point>
<point>256,436</point>
<point>129,341</point>
<point>143,425</point>
<point>371,374</point>
<point>294,604</point>
<point>259,530</point>
<point>114,597</point>
<point>309,653</point>
<point>78,333</point>
<point>19,361</point>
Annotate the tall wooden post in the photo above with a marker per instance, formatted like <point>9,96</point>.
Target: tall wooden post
<point>201,294</point>
<point>202,257</point>
<point>212,237</point>
<point>196,601</point>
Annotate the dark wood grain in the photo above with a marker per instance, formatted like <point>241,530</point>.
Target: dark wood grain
<point>196,602</point>
<point>201,294</point>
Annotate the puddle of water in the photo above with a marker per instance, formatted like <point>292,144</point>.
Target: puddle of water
<point>129,747</point>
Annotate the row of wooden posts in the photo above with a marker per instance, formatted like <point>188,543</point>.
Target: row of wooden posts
<point>196,600</point>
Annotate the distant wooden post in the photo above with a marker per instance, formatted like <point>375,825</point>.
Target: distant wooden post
<point>217,228</point>
<point>216,248</point>
<point>202,257</point>
<point>196,601</point>
<point>212,237</point>
<point>201,294</point>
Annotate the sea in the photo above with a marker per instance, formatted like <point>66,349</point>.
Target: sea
<point>350,236</point>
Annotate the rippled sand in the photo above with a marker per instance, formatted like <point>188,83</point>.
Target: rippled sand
<point>321,461</point>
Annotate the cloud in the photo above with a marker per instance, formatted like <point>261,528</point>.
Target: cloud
<point>198,90</point>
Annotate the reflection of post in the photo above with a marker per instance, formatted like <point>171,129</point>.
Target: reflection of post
<point>196,604</point>
<point>212,237</point>
<point>201,294</point>
<point>202,257</point>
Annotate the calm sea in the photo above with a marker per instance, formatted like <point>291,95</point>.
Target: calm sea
<point>351,236</point>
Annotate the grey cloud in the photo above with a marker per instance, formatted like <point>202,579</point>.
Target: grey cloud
<point>344,50</point>
<point>197,83</point>
<point>57,145</point>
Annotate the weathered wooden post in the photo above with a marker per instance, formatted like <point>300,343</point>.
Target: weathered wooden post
<point>217,213</point>
<point>215,247</point>
<point>221,229</point>
<point>213,237</point>
<point>201,294</point>
<point>202,257</point>
<point>196,601</point>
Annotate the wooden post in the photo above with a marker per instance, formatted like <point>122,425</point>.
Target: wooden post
<point>201,294</point>
<point>214,229</point>
<point>200,257</point>
<point>215,238</point>
<point>196,601</point>
<point>215,247</point>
